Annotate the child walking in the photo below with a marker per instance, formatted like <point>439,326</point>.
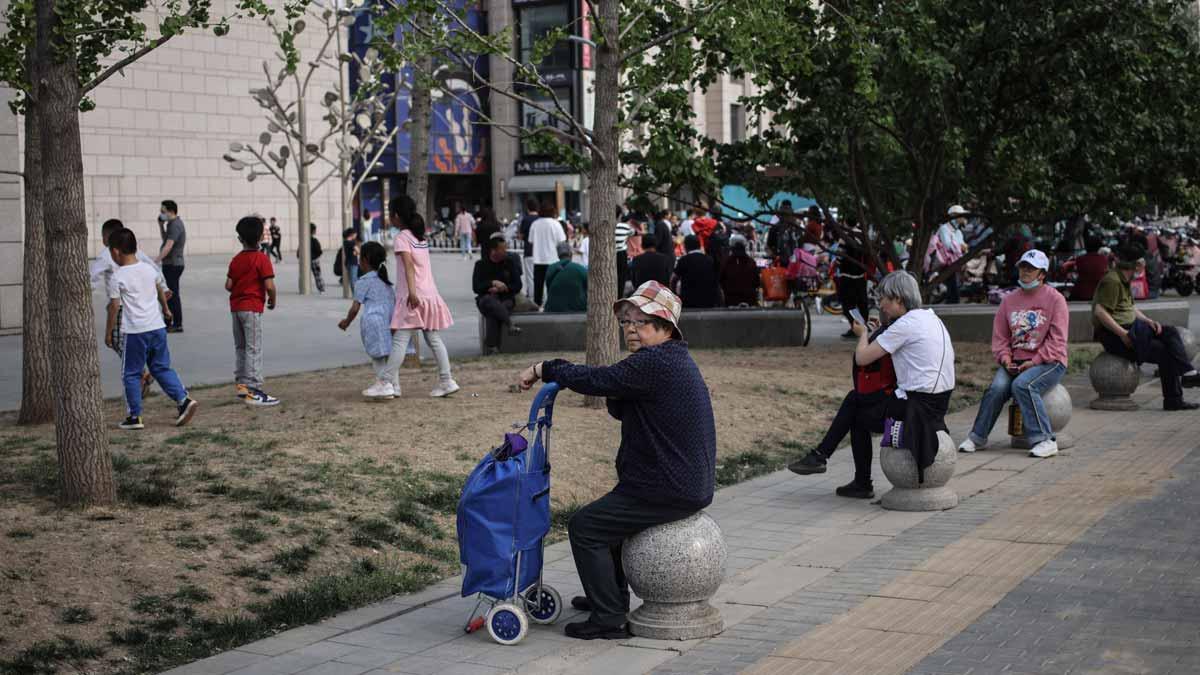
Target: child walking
<point>250,282</point>
<point>143,308</point>
<point>419,307</point>
<point>376,298</point>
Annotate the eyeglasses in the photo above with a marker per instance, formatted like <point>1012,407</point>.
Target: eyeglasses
<point>636,323</point>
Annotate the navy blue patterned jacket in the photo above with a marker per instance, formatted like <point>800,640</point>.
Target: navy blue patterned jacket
<point>668,450</point>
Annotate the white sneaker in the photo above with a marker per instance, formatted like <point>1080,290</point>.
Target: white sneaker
<point>379,390</point>
<point>444,389</point>
<point>969,446</point>
<point>1047,448</point>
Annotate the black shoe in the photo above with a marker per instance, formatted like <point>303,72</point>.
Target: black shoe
<point>586,630</point>
<point>132,423</point>
<point>813,462</point>
<point>1181,405</point>
<point>855,491</point>
<point>1190,381</point>
<point>849,335</point>
<point>187,410</point>
<point>581,603</point>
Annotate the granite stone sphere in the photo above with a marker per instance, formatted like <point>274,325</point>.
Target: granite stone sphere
<point>675,568</point>
<point>1058,406</point>
<point>683,561</point>
<point>907,494</point>
<point>1189,343</point>
<point>1114,379</point>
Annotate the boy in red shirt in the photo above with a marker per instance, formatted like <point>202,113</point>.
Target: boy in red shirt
<point>251,280</point>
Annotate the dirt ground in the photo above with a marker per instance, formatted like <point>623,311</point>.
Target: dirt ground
<point>246,504</point>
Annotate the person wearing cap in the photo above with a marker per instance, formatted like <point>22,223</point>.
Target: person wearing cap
<point>951,236</point>
<point>666,463</point>
<point>566,283</point>
<point>1125,331</point>
<point>1029,341</point>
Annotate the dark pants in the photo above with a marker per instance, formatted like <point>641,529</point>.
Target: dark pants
<point>597,532</point>
<point>274,250</point>
<point>622,272</point>
<point>496,313</point>
<point>852,293</point>
<point>172,273</point>
<point>952,297</point>
<point>1165,350</point>
<point>539,283</point>
<point>861,415</point>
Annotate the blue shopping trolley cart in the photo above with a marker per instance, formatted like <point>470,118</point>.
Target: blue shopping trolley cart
<point>503,517</point>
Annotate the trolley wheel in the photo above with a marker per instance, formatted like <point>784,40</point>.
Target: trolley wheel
<point>544,604</point>
<point>506,623</point>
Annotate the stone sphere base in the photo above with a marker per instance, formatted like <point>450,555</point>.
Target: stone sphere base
<point>1113,403</point>
<point>926,499</point>
<point>1114,379</point>
<point>683,621</point>
<point>675,568</point>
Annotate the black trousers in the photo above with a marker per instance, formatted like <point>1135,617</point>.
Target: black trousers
<point>539,283</point>
<point>273,249</point>
<point>597,532</point>
<point>861,415</point>
<point>952,297</point>
<point>852,293</point>
<point>172,273</point>
<point>622,272</point>
<point>496,313</point>
<point>1166,351</point>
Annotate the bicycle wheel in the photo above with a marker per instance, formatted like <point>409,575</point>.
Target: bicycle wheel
<point>807,322</point>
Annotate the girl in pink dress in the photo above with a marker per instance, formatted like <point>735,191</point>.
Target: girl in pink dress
<point>419,306</point>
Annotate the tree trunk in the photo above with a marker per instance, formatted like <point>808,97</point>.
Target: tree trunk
<point>37,400</point>
<point>420,116</point>
<point>602,331</point>
<point>85,467</point>
<point>303,196</point>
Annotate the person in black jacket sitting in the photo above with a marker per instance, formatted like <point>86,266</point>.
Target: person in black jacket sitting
<point>496,281</point>
<point>666,464</point>
<point>651,265</point>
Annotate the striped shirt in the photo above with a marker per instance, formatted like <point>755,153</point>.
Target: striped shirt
<point>623,232</point>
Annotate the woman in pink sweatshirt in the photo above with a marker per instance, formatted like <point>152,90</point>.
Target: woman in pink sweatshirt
<point>1029,341</point>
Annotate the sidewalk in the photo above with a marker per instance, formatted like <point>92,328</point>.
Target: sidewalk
<point>819,584</point>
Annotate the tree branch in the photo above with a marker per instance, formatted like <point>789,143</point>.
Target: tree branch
<point>120,65</point>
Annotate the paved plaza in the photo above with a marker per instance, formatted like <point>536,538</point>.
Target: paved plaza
<point>1082,563</point>
<point>301,335</point>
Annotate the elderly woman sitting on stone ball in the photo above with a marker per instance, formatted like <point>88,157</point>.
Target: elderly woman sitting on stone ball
<point>923,358</point>
<point>1029,341</point>
<point>666,463</point>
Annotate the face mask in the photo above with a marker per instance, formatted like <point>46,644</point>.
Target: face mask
<point>1029,286</point>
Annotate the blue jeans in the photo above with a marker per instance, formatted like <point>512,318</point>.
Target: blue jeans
<point>353,272</point>
<point>464,243</point>
<point>148,350</point>
<point>1027,388</point>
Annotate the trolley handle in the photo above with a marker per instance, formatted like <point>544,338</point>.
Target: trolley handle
<point>543,400</point>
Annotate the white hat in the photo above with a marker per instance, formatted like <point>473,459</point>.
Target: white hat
<point>1036,259</point>
<point>956,210</point>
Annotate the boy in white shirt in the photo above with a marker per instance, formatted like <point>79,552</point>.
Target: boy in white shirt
<point>101,271</point>
<point>143,306</point>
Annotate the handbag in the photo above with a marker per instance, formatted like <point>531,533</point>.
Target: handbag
<point>774,284</point>
<point>893,433</point>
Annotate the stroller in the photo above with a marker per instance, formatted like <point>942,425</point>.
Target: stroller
<point>503,516</point>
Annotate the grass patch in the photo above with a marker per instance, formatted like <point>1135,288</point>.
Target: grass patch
<point>744,466</point>
<point>16,443</point>
<point>561,516</point>
<point>1081,358</point>
<point>202,437</point>
<point>191,542</point>
<point>192,594</point>
<point>248,534</point>
<point>46,657</point>
<point>294,560</point>
<point>277,496</point>
<point>39,474</point>
<point>252,572</point>
<point>153,489</point>
<point>19,534</point>
<point>76,615</point>
<point>121,462</point>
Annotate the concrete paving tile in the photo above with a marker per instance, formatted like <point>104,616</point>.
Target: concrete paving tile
<point>370,657</point>
<point>336,668</point>
<point>225,662</point>
<point>834,551</point>
<point>623,659</point>
<point>889,523</point>
<point>771,583</point>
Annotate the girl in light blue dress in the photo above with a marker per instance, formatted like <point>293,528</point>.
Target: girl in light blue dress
<point>375,296</point>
